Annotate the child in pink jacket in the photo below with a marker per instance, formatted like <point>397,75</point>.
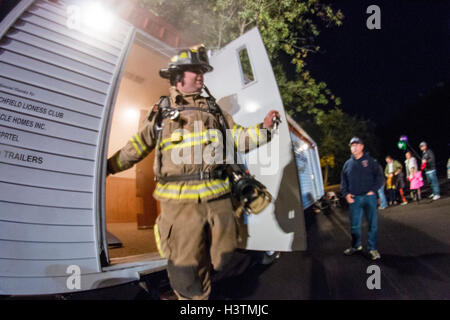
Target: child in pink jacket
<point>415,182</point>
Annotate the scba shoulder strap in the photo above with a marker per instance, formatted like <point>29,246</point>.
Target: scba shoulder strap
<point>165,110</point>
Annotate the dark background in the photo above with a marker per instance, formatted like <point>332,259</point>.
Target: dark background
<point>6,6</point>
<point>398,76</point>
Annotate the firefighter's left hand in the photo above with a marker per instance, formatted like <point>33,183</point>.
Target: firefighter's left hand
<point>268,120</point>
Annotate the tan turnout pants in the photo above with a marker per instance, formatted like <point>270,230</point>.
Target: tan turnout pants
<point>196,237</point>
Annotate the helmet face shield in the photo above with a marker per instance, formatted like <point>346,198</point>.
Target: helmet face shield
<point>188,59</point>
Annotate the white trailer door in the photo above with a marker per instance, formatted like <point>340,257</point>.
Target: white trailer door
<point>244,85</point>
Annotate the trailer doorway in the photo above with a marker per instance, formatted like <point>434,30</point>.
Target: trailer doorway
<point>130,209</point>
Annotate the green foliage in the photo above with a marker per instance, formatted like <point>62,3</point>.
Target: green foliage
<point>289,29</point>
<point>333,130</point>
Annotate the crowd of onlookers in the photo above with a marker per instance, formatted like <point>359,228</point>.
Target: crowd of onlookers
<point>397,184</point>
<point>362,177</point>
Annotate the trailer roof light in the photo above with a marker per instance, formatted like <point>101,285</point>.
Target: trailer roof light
<point>97,17</point>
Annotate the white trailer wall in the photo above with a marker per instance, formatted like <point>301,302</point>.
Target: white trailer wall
<point>56,86</point>
<point>309,172</point>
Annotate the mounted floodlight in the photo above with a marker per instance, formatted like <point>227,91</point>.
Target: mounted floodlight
<point>93,16</point>
<point>97,17</point>
<point>131,115</point>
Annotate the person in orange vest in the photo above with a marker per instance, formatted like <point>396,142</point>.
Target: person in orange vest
<point>395,178</point>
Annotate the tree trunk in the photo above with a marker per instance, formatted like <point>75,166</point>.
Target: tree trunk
<point>242,28</point>
<point>325,178</point>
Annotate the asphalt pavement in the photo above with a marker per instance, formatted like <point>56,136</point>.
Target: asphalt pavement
<point>414,243</point>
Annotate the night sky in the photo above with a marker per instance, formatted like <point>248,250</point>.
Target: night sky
<point>388,75</point>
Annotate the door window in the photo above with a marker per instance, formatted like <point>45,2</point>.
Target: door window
<point>246,67</point>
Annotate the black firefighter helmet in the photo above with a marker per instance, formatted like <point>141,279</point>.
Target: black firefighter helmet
<point>194,56</point>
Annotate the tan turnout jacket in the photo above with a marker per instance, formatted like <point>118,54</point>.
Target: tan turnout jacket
<point>188,145</point>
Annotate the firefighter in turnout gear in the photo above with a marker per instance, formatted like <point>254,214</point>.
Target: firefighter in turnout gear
<point>197,230</point>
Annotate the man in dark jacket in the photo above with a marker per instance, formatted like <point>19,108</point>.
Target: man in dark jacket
<point>429,165</point>
<point>360,179</point>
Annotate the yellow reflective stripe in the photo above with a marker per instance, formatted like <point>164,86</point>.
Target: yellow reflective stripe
<point>175,195</point>
<point>188,144</point>
<point>205,133</point>
<point>164,141</point>
<point>143,146</point>
<point>119,164</point>
<point>250,133</point>
<point>258,133</point>
<point>158,240</point>
<point>185,136</point>
<point>135,146</point>
<point>192,186</point>
<point>182,196</point>
<point>213,133</point>
<point>234,131</point>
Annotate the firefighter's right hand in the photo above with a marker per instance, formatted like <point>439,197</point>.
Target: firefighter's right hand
<point>269,119</point>
<point>349,198</point>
